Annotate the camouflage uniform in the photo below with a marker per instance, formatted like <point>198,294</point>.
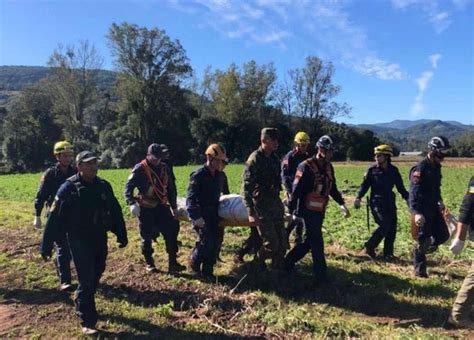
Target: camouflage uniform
<point>261,190</point>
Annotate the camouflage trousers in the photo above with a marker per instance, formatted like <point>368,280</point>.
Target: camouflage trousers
<point>272,231</point>
<point>465,300</point>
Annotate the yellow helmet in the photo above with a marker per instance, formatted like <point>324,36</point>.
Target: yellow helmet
<point>216,151</point>
<point>302,138</point>
<point>62,147</point>
<point>383,149</point>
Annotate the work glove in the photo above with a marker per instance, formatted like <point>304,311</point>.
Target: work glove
<point>419,220</point>
<point>456,246</point>
<point>37,222</point>
<point>199,222</point>
<point>357,203</point>
<point>345,212</point>
<point>135,209</point>
<point>122,243</point>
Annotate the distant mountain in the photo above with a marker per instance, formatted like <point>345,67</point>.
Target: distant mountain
<point>413,135</point>
<point>16,78</point>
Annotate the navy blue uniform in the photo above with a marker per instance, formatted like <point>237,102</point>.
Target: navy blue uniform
<point>382,203</point>
<point>425,193</point>
<point>313,185</point>
<point>51,180</point>
<point>155,214</point>
<point>289,165</point>
<point>202,201</point>
<point>85,211</point>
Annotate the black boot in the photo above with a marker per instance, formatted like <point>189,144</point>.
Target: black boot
<point>173,265</point>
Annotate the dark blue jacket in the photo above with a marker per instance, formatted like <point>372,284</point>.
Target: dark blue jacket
<point>138,179</point>
<point>51,180</point>
<point>204,191</point>
<point>425,186</point>
<point>304,183</point>
<point>381,183</point>
<point>289,164</point>
<point>84,210</point>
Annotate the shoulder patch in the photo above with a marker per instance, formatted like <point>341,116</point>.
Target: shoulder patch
<point>471,189</point>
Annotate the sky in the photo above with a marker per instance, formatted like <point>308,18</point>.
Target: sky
<point>393,59</point>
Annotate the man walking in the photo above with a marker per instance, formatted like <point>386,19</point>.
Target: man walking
<point>261,191</point>
<point>314,183</point>
<point>51,180</point>
<point>429,228</point>
<point>85,208</point>
<point>155,207</point>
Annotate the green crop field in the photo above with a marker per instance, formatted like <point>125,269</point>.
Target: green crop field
<point>365,298</point>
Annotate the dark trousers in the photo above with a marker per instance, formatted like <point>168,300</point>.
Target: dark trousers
<point>292,225</point>
<point>385,215</point>
<point>154,221</point>
<point>204,253</point>
<point>63,258</point>
<point>252,244</point>
<point>313,241</point>
<point>433,233</point>
<point>89,257</point>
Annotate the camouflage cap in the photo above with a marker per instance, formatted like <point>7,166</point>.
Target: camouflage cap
<point>268,132</point>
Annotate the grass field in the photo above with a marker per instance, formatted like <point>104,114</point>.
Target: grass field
<point>365,298</point>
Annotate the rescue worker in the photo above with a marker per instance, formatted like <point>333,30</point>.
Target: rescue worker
<point>51,180</point>
<point>314,183</point>
<point>155,207</point>
<point>288,170</point>
<point>202,204</point>
<point>462,307</point>
<point>429,228</point>
<point>85,208</point>
<point>381,178</point>
<point>261,191</point>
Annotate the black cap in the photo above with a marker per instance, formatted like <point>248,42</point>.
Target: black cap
<point>164,148</point>
<point>85,156</point>
<point>268,132</point>
<point>155,150</point>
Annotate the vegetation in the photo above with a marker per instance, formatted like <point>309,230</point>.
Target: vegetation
<point>366,299</point>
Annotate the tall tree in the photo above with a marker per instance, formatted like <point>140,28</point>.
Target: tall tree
<point>74,89</point>
<point>29,131</point>
<point>312,91</point>
<point>151,67</point>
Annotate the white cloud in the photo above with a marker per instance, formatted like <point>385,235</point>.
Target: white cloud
<point>324,26</point>
<point>434,58</point>
<point>436,12</point>
<point>422,83</point>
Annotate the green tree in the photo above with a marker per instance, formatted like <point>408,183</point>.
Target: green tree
<point>29,131</point>
<point>73,87</point>
<point>151,68</point>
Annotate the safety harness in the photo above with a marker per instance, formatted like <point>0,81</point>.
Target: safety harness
<point>158,187</point>
<point>318,198</point>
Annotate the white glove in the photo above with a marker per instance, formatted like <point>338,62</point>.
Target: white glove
<point>357,203</point>
<point>199,222</point>
<point>37,222</point>
<point>456,246</point>
<point>419,220</point>
<point>135,209</point>
<point>345,212</point>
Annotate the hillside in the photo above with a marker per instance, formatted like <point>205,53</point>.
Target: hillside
<point>16,78</point>
<point>413,135</point>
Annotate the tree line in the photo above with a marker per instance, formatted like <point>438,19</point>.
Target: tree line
<point>156,98</point>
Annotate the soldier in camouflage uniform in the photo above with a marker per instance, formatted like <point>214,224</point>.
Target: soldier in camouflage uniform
<point>261,190</point>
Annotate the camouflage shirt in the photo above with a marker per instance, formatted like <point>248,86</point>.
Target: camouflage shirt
<point>261,178</point>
